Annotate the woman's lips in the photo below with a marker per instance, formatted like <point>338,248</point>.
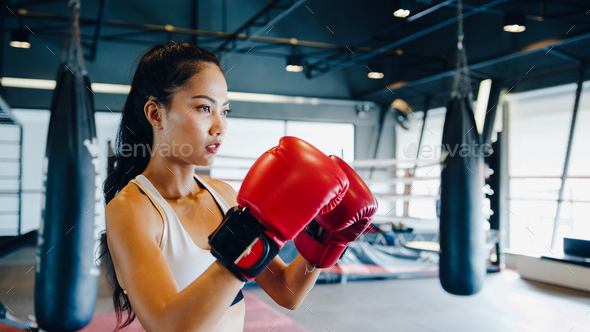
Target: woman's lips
<point>213,147</point>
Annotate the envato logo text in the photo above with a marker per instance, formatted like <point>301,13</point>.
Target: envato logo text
<point>163,150</point>
<point>434,151</point>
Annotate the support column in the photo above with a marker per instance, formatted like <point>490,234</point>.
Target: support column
<point>581,72</point>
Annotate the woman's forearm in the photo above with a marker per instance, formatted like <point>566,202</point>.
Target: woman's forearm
<point>299,278</point>
<point>201,305</point>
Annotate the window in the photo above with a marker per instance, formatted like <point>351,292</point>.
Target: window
<point>539,131</point>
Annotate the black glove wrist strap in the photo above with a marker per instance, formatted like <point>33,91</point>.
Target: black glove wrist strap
<point>235,237</point>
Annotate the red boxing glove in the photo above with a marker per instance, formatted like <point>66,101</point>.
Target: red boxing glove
<point>326,238</point>
<point>285,188</point>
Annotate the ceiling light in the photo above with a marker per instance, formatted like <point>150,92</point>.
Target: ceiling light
<point>401,13</point>
<point>294,64</point>
<point>514,28</point>
<point>375,75</point>
<point>28,83</point>
<point>19,39</point>
<point>375,71</point>
<point>120,89</point>
<point>294,68</point>
<point>514,22</point>
<point>403,8</point>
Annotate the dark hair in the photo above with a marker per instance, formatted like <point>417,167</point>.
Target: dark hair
<point>162,70</point>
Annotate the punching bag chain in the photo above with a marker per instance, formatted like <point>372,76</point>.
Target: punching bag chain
<point>74,57</point>
<point>461,81</point>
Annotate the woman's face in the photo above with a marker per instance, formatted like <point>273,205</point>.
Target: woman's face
<point>195,125</point>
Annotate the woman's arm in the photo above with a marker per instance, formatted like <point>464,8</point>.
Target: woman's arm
<point>288,285</point>
<point>132,230</point>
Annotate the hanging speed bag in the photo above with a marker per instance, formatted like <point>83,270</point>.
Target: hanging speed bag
<point>66,278</point>
<point>462,238</point>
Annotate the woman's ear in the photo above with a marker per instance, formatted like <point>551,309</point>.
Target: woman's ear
<point>153,113</point>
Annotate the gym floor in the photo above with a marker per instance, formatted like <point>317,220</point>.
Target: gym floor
<point>507,303</point>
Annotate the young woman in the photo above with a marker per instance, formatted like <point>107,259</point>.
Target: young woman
<point>159,213</point>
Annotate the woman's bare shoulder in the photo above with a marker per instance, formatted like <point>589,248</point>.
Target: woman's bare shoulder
<point>129,196</point>
<point>131,209</point>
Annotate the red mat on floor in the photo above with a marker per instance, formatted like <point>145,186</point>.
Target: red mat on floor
<point>259,317</point>
<point>262,317</point>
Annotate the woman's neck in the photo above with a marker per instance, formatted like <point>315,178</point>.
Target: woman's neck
<point>171,179</point>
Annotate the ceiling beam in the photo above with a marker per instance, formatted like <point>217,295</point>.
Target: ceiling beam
<point>567,56</point>
<point>195,21</point>
<point>532,17</point>
<point>34,3</point>
<point>545,73</point>
<point>263,27</point>
<point>145,29</point>
<point>97,31</point>
<point>205,33</point>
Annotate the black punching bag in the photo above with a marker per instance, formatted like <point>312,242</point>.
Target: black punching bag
<point>462,238</point>
<point>66,279</point>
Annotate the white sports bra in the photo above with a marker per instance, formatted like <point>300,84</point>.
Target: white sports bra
<point>186,260</point>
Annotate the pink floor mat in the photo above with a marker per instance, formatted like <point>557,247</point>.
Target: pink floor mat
<point>262,317</point>
<point>259,317</point>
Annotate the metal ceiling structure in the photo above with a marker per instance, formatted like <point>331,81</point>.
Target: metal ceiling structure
<point>236,42</point>
<point>405,47</point>
<point>323,68</point>
<point>566,54</point>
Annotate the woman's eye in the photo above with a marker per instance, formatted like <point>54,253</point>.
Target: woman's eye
<point>226,112</point>
<point>205,108</point>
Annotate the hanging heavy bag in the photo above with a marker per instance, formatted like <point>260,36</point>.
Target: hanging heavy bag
<point>462,260</point>
<point>462,237</point>
<point>66,278</point>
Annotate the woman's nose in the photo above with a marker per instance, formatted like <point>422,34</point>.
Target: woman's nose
<point>218,127</point>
